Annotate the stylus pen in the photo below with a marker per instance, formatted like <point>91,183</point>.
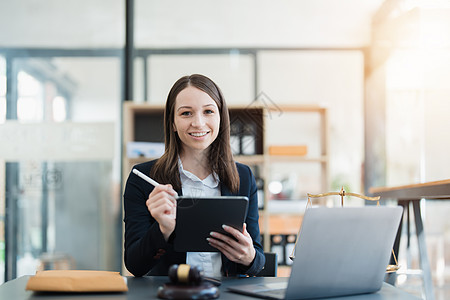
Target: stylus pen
<point>145,177</point>
<point>148,179</point>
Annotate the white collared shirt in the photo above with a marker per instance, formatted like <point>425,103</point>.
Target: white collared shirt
<point>191,185</point>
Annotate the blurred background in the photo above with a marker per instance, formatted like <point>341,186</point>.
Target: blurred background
<point>379,67</point>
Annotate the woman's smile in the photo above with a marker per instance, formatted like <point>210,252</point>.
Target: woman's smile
<point>199,134</point>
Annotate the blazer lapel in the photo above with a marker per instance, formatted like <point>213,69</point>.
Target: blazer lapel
<point>224,191</point>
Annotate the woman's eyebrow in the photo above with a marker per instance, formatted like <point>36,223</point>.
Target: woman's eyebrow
<point>190,107</point>
<point>211,104</point>
<point>183,107</point>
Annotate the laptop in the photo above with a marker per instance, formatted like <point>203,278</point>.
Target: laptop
<point>340,251</point>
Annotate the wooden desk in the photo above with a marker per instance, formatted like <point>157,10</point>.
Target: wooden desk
<point>410,195</point>
<point>147,287</point>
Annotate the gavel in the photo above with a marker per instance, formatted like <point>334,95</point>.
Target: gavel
<point>188,282</point>
<point>185,274</point>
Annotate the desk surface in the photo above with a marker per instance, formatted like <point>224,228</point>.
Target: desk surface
<point>429,190</point>
<point>146,288</point>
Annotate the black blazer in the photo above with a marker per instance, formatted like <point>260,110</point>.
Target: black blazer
<point>146,251</point>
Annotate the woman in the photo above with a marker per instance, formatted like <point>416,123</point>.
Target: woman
<point>197,162</point>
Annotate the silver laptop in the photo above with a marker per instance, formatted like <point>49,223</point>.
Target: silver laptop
<point>341,251</point>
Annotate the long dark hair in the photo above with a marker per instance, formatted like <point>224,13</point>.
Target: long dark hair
<point>220,158</point>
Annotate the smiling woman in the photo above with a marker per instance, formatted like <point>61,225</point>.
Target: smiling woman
<point>197,161</point>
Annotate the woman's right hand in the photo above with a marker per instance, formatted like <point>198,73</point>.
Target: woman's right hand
<point>162,205</point>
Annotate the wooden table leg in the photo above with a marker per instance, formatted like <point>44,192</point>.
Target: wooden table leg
<point>424,264</point>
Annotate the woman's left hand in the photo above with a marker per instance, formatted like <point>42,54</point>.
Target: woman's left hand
<point>239,250</point>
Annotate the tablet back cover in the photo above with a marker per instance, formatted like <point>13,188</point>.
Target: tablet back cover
<point>197,217</point>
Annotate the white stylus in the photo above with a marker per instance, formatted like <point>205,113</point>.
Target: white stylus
<point>145,177</point>
<point>148,179</point>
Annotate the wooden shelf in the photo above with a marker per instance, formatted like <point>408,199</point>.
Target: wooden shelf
<point>299,108</point>
<point>290,158</point>
<point>281,223</point>
<point>284,271</point>
<point>250,159</point>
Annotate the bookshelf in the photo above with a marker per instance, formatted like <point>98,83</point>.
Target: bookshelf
<point>144,122</point>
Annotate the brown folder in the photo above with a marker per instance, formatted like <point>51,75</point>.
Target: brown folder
<point>77,281</point>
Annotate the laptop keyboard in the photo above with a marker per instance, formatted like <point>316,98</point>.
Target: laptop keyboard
<point>278,293</point>
<point>274,286</point>
<point>273,290</point>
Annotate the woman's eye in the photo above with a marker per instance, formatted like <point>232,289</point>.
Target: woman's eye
<point>209,111</point>
<point>186,113</point>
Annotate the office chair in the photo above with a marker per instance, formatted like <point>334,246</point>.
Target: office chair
<point>270,267</point>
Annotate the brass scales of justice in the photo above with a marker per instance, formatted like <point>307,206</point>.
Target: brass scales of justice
<point>342,193</point>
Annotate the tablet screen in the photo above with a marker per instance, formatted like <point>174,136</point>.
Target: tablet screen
<point>197,217</point>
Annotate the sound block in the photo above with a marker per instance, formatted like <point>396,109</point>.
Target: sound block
<point>205,290</point>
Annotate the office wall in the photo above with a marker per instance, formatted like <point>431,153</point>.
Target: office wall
<point>253,23</point>
<point>234,73</point>
<point>62,24</point>
<point>197,23</point>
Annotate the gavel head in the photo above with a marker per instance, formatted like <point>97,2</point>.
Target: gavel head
<point>185,274</point>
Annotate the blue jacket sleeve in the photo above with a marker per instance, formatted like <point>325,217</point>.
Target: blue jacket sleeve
<point>253,228</point>
<point>248,188</point>
<point>144,242</point>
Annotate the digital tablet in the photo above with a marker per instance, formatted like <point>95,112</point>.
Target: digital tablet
<point>197,217</point>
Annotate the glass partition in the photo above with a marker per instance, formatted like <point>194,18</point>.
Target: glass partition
<point>60,103</point>
<point>2,89</point>
<point>2,169</point>
<point>61,162</point>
